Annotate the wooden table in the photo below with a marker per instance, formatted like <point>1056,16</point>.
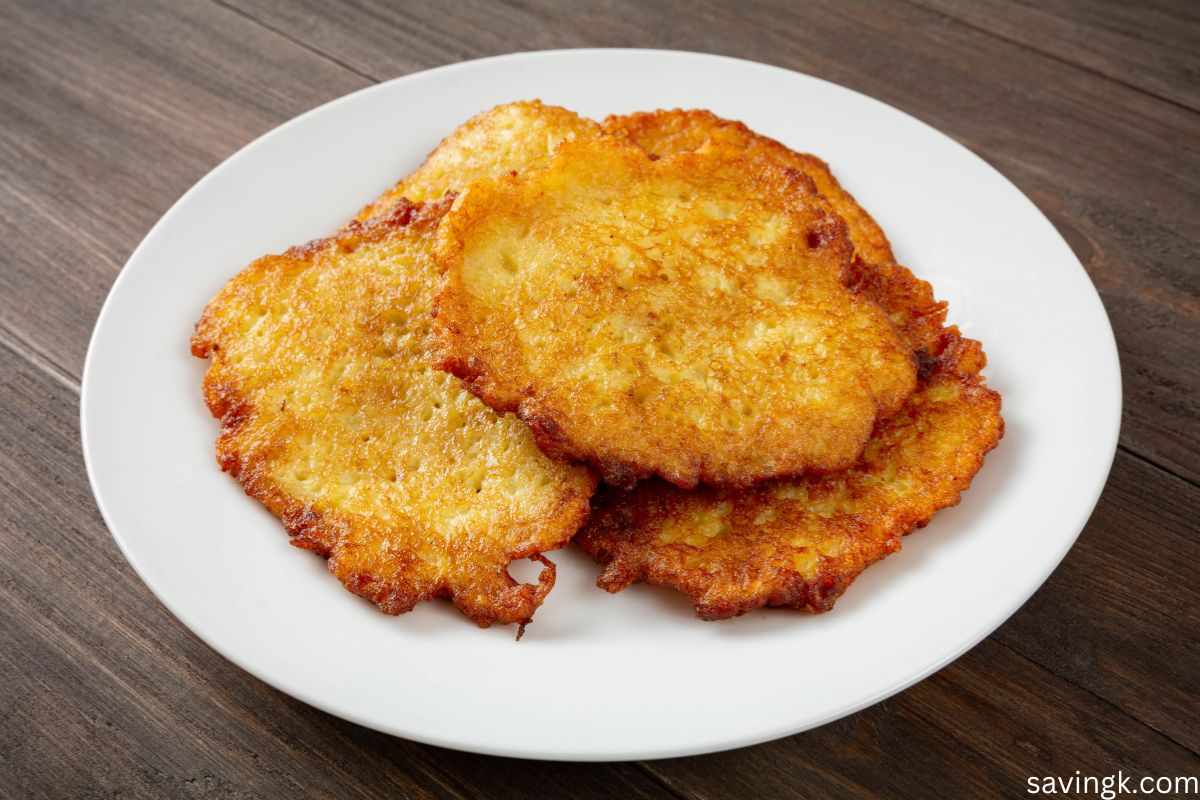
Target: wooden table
<point>111,110</point>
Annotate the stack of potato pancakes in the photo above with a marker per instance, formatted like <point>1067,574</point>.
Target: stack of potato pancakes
<point>665,336</point>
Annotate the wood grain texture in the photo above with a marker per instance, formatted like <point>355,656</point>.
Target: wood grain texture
<point>1151,46</point>
<point>110,111</point>
<point>1118,620</point>
<point>985,724</point>
<point>1121,616</point>
<point>1107,163</point>
<point>106,694</point>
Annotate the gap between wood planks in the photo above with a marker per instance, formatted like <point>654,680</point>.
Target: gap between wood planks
<point>27,350</point>
<point>298,42</point>
<point>64,378</point>
<point>1099,697</point>
<point>1151,462</point>
<point>944,14</point>
<point>34,354</point>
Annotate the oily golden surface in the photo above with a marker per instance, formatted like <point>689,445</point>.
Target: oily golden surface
<point>684,317</point>
<point>908,300</point>
<point>334,418</point>
<point>514,137</point>
<point>801,543</point>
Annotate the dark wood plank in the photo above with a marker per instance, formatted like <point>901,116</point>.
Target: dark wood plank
<point>1148,45</point>
<point>123,699</point>
<point>1048,125</point>
<point>1107,163</point>
<point>111,111</point>
<point>1119,620</point>
<point>105,694</point>
<point>1121,616</point>
<point>979,728</point>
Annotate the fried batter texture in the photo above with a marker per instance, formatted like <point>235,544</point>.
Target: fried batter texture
<point>333,417</point>
<point>801,543</point>
<point>908,300</point>
<point>514,137</point>
<point>684,317</point>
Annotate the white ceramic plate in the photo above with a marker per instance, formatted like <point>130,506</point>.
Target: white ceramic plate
<point>599,676</point>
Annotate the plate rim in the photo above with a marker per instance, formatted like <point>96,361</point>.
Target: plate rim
<point>291,688</point>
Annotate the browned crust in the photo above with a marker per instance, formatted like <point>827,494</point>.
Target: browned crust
<point>753,567</point>
<point>470,152</point>
<point>492,595</point>
<point>874,271</point>
<point>673,131</point>
<point>205,341</point>
<point>483,356</point>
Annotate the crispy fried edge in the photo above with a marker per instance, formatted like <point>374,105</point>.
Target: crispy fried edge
<point>938,349</point>
<point>874,270</point>
<point>382,204</point>
<point>956,358</point>
<point>696,126</point>
<point>316,531</point>
<point>453,323</point>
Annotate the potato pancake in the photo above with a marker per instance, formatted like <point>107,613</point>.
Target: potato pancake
<point>685,317</point>
<point>333,416</point>
<point>514,137</point>
<point>801,543</point>
<point>908,300</point>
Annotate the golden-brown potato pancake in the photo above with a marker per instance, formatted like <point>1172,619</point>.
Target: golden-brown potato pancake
<point>801,543</point>
<point>908,300</point>
<point>665,132</point>
<point>333,417</point>
<point>514,137</point>
<point>684,317</point>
